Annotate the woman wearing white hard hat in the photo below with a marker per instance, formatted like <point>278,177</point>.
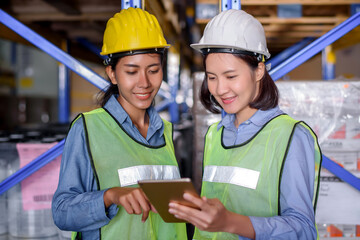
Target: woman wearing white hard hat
<point>109,149</point>
<point>261,167</point>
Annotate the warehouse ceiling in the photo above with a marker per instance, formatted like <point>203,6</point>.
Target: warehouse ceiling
<point>82,22</point>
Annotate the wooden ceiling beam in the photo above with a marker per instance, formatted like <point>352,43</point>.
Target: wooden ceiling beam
<point>32,17</point>
<point>302,2</point>
<point>67,7</point>
<point>293,34</point>
<point>301,28</point>
<point>302,20</point>
<point>156,8</point>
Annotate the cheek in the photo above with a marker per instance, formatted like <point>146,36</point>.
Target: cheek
<point>156,80</point>
<point>211,87</point>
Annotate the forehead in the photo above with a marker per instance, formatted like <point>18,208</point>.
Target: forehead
<point>223,61</point>
<point>141,59</point>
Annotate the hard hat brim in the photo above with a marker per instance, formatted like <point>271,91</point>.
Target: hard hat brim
<point>135,49</point>
<point>199,46</point>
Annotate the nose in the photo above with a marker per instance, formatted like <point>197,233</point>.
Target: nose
<point>221,87</point>
<point>144,81</point>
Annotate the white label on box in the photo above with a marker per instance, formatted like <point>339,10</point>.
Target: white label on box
<point>338,202</point>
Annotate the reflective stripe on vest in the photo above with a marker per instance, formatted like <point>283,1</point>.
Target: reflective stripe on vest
<point>112,151</point>
<point>232,175</point>
<point>131,175</point>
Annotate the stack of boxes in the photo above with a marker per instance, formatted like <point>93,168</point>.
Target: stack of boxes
<point>332,110</point>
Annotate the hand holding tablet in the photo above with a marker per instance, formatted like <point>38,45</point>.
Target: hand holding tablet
<point>161,192</point>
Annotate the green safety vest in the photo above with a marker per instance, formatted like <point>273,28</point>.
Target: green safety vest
<point>246,178</point>
<point>119,160</point>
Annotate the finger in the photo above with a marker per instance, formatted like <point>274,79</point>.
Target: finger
<point>199,202</point>
<point>134,204</point>
<point>143,201</point>
<point>126,206</point>
<point>153,208</point>
<point>196,218</point>
<point>144,204</point>
<point>144,216</point>
<point>182,211</point>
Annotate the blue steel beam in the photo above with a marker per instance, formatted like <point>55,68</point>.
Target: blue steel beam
<point>52,50</point>
<point>163,105</point>
<point>305,54</point>
<point>47,157</point>
<point>32,167</point>
<point>340,172</point>
<point>67,60</point>
<point>315,47</point>
<point>276,60</point>
<point>91,47</point>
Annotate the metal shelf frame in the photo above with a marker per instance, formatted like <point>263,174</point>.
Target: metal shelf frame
<point>276,73</point>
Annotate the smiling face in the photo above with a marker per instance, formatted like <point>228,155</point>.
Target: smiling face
<point>233,84</point>
<point>138,78</point>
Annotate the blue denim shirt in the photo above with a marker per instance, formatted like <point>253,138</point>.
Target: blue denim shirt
<point>77,203</point>
<point>297,220</point>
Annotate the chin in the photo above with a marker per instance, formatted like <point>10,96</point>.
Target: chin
<point>143,106</point>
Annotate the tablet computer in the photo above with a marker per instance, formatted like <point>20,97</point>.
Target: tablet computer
<point>161,192</point>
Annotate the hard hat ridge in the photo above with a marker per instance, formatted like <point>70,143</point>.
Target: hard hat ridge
<point>130,30</point>
<point>234,29</point>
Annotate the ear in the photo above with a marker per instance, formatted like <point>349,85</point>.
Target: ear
<point>260,71</point>
<point>111,74</point>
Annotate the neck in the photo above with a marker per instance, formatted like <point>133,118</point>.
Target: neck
<point>141,121</point>
<point>242,117</point>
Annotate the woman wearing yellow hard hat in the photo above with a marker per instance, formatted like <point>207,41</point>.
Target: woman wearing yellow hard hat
<point>109,149</point>
<point>261,167</point>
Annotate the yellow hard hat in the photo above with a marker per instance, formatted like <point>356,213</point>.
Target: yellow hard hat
<point>132,29</point>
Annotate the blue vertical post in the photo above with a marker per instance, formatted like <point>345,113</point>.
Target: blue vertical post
<point>64,91</point>
<point>230,4</point>
<point>328,60</point>
<point>173,69</point>
<point>131,3</point>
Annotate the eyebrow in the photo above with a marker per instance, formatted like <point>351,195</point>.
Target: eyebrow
<point>229,71</point>
<point>134,65</point>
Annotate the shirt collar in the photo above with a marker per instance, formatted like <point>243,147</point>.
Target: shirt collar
<point>115,108</point>
<point>259,118</point>
<point>155,122</point>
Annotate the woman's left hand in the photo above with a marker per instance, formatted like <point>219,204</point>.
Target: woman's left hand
<point>211,216</point>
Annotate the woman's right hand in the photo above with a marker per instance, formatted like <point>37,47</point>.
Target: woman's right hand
<point>133,200</point>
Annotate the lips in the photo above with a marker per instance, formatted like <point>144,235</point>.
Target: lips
<point>143,96</point>
<point>228,100</point>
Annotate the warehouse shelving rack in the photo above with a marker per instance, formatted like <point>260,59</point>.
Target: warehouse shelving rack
<point>276,73</point>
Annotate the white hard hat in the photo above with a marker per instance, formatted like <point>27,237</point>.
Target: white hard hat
<point>234,30</point>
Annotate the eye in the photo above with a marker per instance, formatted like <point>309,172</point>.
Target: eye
<point>209,77</point>
<point>154,71</point>
<point>231,77</point>
<point>131,73</point>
